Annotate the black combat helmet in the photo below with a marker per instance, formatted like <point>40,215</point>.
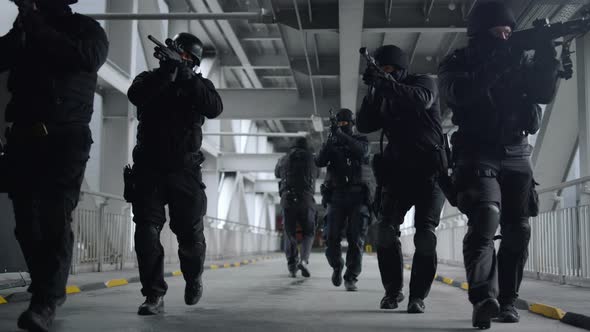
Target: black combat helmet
<point>488,15</point>
<point>344,114</point>
<point>300,142</point>
<point>189,43</point>
<point>391,55</point>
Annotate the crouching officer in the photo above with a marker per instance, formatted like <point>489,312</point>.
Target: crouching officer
<point>172,103</point>
<point>494,94</point>
<point>346,194</point>
<point>298,172</point>
<point>53,57</point>
<point>406,108</point>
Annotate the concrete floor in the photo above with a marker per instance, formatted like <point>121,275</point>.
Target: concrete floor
<point>260,297</point>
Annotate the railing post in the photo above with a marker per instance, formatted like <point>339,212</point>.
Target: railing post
<point>124,235</point>
<point>560,243</point>
<point>75,258</point>
<point>101,237</point>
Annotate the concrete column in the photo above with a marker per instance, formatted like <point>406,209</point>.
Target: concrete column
<point>583,80</point>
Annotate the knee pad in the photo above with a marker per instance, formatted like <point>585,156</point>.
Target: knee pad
<point>425,241</point>
<point>388,235</point>
<point>483,223</point>
<point>515,237</point>
<point>484,219</point>
<point>191,239</point>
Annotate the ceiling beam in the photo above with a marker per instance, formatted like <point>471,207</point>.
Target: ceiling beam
<point>257,62</point>
<point>265,104</point>
<point>247,162</point>
<point>402,19</point>
<point>234,41</point>
<point>350,14</point>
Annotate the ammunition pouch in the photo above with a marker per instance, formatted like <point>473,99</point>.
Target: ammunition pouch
<point>533,204</point>
<point>129,191</point>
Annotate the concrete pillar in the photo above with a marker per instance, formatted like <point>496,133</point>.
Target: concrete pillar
<point>583,80</point>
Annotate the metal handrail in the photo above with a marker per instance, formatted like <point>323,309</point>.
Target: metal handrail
<point>564,185</point>
<point>103,195</point>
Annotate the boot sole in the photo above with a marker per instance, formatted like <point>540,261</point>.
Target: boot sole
<point>482,319</point>
<point>147,312</point>
<point>26,322</point>
<point>337,279</point>
<point>507,319</point>
<point>415,310</point>
<point>304,271</point>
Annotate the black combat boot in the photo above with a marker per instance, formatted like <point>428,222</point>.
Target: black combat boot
<point>350,285</point>
<point>483,312</point>
<point>304,269</point>
<point>416,306</point>
<point>390,302</point>
<point>38,318</point>
<point>153,305</point>
<point>193,292</point>
<point>337,277</point>
<point>508,314</point>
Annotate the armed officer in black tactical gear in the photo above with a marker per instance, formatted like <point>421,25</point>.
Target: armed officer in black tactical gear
<point>298,172</point>
<point>346,194</point>
<point>172,103</point>
<point>53,57</point>
<point>406,108</point>
<point>494,93</point>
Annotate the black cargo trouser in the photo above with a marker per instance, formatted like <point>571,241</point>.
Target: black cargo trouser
<point>347,210</point>
<point>494,189</point>
<point>304,214</point>
<point>398,196</point>
<point>46,177</point>
<point>184,193</point>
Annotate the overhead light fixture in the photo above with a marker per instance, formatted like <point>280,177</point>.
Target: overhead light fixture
<point>317,123</point>
<point>452,5</point>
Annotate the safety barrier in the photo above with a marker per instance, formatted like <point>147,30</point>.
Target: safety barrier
<point>104,230</point>
<point>559,248</point>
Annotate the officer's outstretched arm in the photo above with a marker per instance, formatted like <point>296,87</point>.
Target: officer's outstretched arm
<point>368,118</point>
<point>9,46</point>
<point>422,93</point>
<point>205,97</point>
<point>87,52</point>
<point>147,86</point>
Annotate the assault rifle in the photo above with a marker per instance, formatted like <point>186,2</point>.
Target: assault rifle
<point>543,31</point>
<point>372,63</point>
<point>333,123</point>
<point>169,44</point>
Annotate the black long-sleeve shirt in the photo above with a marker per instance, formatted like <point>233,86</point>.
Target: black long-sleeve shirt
<point>344,159</point>
<point>171,114</point>
<point>53,68</point>
<point>493,101</point>
<point>409,113</point>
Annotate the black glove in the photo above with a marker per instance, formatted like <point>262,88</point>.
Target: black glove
<point>167,55</point>
<point>373,76</point>
<point>185,73</point>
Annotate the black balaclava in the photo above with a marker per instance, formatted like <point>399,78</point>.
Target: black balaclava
<point>484,17</point>
<point>52,8</point>
<point>345,115</point>
<point>393,56</point>
<point>300,143</point>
